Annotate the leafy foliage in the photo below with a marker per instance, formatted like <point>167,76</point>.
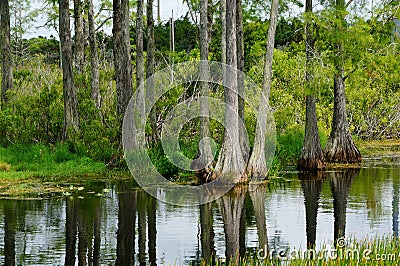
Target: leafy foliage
<point>35,112</point>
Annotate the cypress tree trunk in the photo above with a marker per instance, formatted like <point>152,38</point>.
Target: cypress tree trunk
<point>230,161</point>
<point>150,65</point>
<point>6,58</point>
<point>340,147</point>
<point>139,45</point>
<point>79,46</point>
<point>210,14</point>
<point>94,57</point>
<point>257,165</point>
<point>223,30</point>
<point>312,156</point>
<point>122,55</point>
<point>71,117</point>
<point>205,157</point>
<point>244,145</point>
<point>396,27</point>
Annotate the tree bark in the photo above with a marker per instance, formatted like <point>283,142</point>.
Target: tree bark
<point>71,116</point>
<point>150,66</point>
<point>122,55</point>
<point>230,160</point>
<point>223,30</point>
<point>94,57</point>
<point>340,147</point>
<point>396,26</point>
<point>6,58</point>
<point>257,166</point>
<point>205,157</point>
<point>79,46</point>
<point>312,156</point>
<point>139,45</point>
<point>244,145</point>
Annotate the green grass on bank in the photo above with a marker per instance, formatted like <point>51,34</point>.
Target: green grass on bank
<point>39,160</point>
<point>26,161</point>
<point>39,168</point>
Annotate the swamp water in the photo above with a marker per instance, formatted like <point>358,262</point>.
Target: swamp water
<point>118,224</point>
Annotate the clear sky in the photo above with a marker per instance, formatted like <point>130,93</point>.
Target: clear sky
<point>166,10</point>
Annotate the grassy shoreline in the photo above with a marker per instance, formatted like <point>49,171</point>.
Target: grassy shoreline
<point>40,170</point>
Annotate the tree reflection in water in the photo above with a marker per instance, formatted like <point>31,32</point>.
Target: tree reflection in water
<point>311,183</point>
<point>142,226</point>
<point>395,207</point>
<point>231,207</point>
<point>152,231</point>
<point>130,201</point>
<point>86,229</point>
<point>341,182</point>
<point>127,201</point>
<point>83,219</point>
<point>257,193</point>
<point>10,228</point>
<point>70,231</point>
<point>207,233</point>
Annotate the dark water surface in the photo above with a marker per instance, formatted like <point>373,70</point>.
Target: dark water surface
<point>119,224</point>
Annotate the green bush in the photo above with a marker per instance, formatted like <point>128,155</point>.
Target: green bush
<point>289,144</point>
